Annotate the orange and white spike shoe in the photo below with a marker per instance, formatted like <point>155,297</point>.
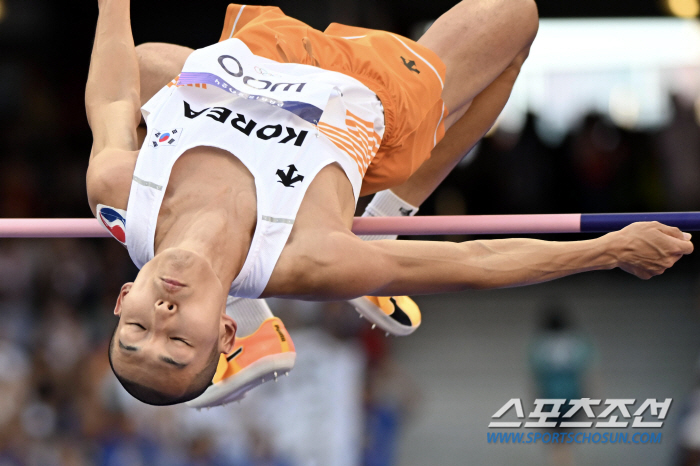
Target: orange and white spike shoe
<point>396,315</point>
<point>255,359</point>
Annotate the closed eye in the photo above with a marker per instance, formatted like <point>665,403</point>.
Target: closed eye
<point>180,339</point>
<point>138,325</point>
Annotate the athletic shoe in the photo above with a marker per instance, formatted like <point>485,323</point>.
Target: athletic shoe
<point>396,315</point>
<point>256,358</point>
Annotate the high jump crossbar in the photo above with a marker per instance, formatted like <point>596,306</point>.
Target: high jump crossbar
<point>428,225</point>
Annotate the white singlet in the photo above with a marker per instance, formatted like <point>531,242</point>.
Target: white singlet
<point>284,122</point>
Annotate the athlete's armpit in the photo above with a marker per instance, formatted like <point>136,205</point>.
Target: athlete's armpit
<point>108,178</point>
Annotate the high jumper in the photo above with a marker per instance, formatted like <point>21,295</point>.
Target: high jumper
<point>252,162</point>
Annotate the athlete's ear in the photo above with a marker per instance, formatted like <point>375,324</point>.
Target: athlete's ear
<point>227,334</point>
<point>126,287</point>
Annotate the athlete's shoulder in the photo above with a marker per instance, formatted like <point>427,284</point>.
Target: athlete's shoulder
<point>109,177</point>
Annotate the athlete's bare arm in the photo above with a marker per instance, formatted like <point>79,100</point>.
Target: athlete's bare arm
<point>112,91</point>
<point>112,103</point>
<point>338,265</point>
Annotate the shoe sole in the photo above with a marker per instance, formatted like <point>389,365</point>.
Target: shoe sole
<point>374,314</point>
<point>235,388</point>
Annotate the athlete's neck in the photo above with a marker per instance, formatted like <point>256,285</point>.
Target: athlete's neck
<point>209,208</point>
<point>209,236</point>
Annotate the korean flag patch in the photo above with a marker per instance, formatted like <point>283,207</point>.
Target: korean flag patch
<point>165,138</point>
<point>114,220</point>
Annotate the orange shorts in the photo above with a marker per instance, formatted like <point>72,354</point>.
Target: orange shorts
<point>407,77</point>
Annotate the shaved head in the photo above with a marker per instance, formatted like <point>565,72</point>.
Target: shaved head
<point>164,394</point>
<point>172,328</point>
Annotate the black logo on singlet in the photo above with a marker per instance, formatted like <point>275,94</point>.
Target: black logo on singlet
<point>284,134</point>
<point>287,179</point>
<point>411,65</point>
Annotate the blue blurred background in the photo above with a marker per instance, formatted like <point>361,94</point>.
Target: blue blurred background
<point>603,119</point>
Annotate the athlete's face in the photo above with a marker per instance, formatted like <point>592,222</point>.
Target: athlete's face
<point>170,319</point>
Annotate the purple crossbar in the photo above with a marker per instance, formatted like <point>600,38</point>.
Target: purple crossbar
<point>596,223</point>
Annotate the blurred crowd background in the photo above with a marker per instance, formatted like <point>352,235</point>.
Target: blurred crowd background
<point>355,398</point>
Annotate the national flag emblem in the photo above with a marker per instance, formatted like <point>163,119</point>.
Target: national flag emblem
<point>166,138</point>
<point>114,220</point>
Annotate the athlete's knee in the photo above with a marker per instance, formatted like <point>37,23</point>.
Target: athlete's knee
<point>153,55</point>
<point>529,22</point>
<point>147,51</point>
<point>519,59</point>
<point>158,64</point>
<point>519,17</point>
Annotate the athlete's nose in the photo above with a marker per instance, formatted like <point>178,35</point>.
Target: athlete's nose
<point>166,306</point>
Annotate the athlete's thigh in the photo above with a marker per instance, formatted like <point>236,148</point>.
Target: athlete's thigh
<point>159,63</point>
<point>477,40</point>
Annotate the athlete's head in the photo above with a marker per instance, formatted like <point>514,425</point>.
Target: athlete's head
<point>172,327</point>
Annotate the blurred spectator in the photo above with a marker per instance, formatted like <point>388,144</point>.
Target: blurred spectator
<point>560,357</point>
<point>391,396</point>
<point>679,152</point>
<point>688,453</point>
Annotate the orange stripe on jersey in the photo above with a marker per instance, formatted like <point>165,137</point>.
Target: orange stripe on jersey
<point>365,122</point>
<point>358,139</point>
<point>177,78</point>
<point>355,123</point>
<point>350,141</point>
<point>174,81</point>
<point>345,148</point>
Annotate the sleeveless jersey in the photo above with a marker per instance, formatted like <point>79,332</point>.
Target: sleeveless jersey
<point>284,122</point>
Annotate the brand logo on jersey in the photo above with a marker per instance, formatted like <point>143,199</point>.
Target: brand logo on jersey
<point>263,71</point>
<point>114,222</point>
<point>166,138</point>
<point>234,68</point>
<point>288,179</point>
<point>410,64</point>
<point>247,125</point>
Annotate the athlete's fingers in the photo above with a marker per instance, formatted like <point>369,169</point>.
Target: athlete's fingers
<point>672,231</point>
<point>685,246</point>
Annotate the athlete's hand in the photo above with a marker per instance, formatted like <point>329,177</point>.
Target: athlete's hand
<point>647,249</point>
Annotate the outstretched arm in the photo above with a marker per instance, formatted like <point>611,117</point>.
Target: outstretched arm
<point>339,266</point>
<point>112,91</point>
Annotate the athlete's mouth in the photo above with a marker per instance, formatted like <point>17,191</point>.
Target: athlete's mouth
<point>172,285</point>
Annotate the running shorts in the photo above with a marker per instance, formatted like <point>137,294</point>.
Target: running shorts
<point>407,77</point>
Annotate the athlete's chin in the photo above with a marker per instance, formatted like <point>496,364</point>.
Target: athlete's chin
<point>177,263</point>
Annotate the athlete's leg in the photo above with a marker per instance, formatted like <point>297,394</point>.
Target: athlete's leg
<point>477,40</point>
<point>159,63</point>
<point>461,137</point>
<point>493,42</point>
<point>400,315</point>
